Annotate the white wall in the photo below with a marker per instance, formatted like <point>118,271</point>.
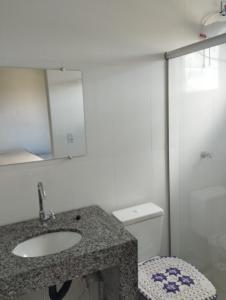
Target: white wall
<point>125,164</point>
<point>24,119</point>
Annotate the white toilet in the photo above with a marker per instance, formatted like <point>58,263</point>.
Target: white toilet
<point>161,278</point>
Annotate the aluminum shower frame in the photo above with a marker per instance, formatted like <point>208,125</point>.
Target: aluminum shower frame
<point>205,44</point>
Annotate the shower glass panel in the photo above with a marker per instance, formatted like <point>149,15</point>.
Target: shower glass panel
<point>197,161</point>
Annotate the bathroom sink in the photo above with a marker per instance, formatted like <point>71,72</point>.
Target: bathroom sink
<point>49,243</point>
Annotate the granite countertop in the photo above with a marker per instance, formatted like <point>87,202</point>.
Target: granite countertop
<point>105,243</point>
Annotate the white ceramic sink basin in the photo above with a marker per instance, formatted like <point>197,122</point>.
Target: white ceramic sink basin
<point>49,243</point>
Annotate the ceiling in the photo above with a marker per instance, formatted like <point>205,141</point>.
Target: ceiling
<point>96,31</point>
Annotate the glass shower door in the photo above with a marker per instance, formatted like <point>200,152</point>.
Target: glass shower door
<point>197,161</point>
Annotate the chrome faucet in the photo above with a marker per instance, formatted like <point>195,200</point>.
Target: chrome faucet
<point>44,216</point>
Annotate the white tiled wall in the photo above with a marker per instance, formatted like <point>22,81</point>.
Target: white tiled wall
<point>125,163</point>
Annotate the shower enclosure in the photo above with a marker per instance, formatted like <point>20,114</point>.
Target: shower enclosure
<point>197,156</point>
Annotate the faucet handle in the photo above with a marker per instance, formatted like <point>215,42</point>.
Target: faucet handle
<point>51,214</point>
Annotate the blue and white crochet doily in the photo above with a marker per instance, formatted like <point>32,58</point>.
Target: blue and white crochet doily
<point>171,278</point>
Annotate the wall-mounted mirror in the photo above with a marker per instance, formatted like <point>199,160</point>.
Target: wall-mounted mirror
<point>41,115</point>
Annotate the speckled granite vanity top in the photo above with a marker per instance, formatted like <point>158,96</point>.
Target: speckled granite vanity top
<point>105,243</point>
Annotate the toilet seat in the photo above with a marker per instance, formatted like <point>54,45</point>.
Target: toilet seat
<point>171,278</point>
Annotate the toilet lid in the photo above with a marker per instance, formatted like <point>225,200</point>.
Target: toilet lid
<point>171,278</point>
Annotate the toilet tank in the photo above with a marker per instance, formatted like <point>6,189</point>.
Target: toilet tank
<point>145,222</point>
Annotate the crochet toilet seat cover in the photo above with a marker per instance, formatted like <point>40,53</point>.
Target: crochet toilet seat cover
<point>171,278</point>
